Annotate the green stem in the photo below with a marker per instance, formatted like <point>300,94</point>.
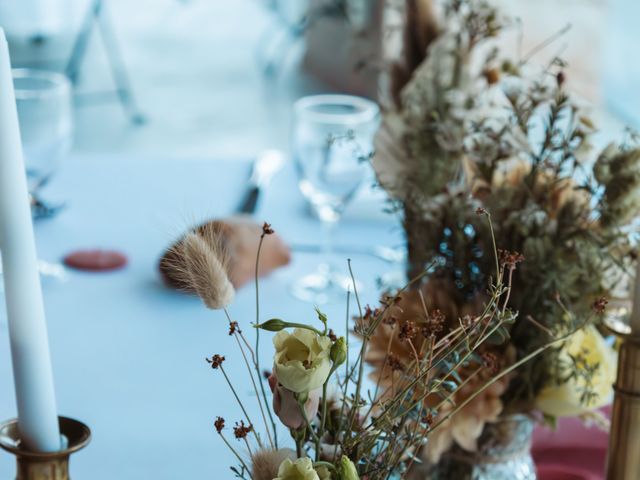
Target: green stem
<point>324,418</point>
<point>244,411</point>
<point>244,465</point>
<point>299,439</point>
<point>257,351</point>
<point>363,349</point>
<point>347,376</point>
<point>305,327</point>
<point>329,465</point>
<point>308,423</point>
<point>253,382</point>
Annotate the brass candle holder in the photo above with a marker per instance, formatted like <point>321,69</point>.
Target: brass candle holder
<point>623,460</point>
<point>49,465</point>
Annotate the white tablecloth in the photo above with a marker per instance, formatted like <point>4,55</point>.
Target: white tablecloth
<point>128,354</point>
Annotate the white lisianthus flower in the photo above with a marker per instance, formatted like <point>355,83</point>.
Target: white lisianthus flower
<point>301,469</point>
<point>302,361</point>
<point>563,400</point>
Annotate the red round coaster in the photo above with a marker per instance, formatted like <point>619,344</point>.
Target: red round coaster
<point>95,260</point>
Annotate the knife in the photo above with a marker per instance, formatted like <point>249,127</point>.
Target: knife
<point>265,166</point>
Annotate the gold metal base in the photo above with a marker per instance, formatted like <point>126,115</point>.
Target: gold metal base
<point>623,459</point>
<point>44,466</point>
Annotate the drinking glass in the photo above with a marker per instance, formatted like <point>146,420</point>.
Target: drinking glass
<point>43,100</point>
<point>332,141</point>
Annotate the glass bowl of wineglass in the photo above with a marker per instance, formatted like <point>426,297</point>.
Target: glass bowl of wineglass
<point>43,100</point>
<point>332,142</point>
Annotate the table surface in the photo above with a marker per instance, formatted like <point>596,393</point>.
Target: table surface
<point>129,354</point>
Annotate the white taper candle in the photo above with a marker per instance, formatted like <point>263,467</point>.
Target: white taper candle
<point>33,377</point>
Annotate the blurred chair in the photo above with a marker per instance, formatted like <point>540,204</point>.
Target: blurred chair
<point>96,17</point>
<point>54,35</point>
<point>292,20</point>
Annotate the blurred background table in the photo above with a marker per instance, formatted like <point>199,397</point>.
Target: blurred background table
<point>129,354</point>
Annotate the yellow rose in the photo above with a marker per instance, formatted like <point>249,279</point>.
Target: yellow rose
<point>302,361</point>
<point>563,400</point>
<point>301,469</point>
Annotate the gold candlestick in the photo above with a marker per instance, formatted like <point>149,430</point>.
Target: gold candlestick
<point>49,465</point>
<point>623,461</point>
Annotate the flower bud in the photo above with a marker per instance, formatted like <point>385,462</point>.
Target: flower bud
<point>338,352</point>
<point>286,405</point>
<point>273,325</point>
<point>347,470</point>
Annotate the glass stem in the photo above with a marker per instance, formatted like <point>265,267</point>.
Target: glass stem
<point>328,227</point>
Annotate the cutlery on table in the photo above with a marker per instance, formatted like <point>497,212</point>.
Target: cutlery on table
<point>265,166</point>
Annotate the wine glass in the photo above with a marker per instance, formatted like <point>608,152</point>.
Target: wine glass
<point>332,141</point>
<point>43,100</point>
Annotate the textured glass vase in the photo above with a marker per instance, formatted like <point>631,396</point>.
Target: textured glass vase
<point>504,453</point>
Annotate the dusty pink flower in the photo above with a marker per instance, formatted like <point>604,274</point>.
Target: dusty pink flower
<point>286,406</point>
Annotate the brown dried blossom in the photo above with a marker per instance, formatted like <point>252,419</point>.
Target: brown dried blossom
<point>266,229</point>
<point>370,313</point>
<point>219,424</point>
<point>510,259</point>
<point>241,430</point>
<point>332,335</point>
<point>434,324</point>
<point>561,77</point>
<point>491,362</point>
<point>233,328</point>
<point>491,75</point>
<point>216,361</point>
<point>437,319</point>
<point>408,331</point>
<point>428,419</point>
<point>600,305</point>
<point>394,363</point>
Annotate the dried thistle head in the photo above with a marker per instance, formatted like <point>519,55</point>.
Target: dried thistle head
<point>205,265</point>
<point>265,463</point>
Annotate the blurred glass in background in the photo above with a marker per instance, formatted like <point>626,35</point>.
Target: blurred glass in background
<point>46,122</point>
<point>332,141</point>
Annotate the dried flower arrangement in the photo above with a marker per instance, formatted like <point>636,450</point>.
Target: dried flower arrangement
<point>342,425</point>
<point>471,130</point>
